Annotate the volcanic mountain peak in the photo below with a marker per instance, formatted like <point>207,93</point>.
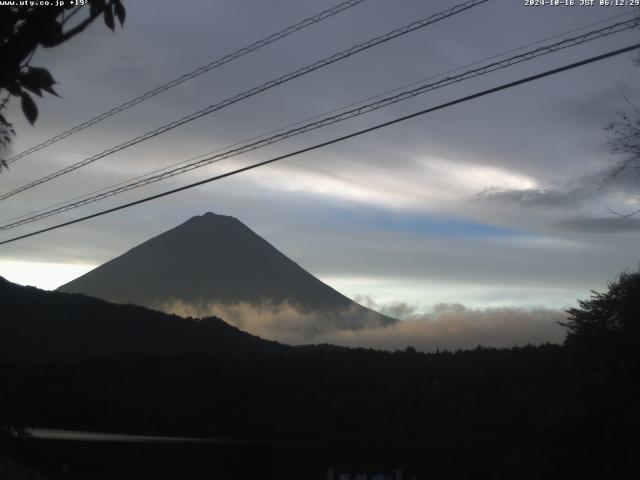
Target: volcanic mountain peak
<point>213,260</point>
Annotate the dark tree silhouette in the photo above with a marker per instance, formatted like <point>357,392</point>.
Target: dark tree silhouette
<point>25,28</point>
<point>624,140</point>
<point>607,326</point>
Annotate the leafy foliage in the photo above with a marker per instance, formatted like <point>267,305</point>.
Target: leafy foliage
<point>610,319</point>
<point>24,28</point>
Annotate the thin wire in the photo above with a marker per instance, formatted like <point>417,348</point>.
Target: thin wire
<point>314,117</point>
<point>385,102</point>
<point>336,140</point>
<point>261,88</point>
<point>188,76</point>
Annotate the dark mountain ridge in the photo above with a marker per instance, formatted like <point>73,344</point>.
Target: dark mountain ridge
<point>38,325</point>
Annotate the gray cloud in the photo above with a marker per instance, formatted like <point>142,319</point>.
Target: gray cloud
<point>600,225</point>
<point>538,197</point>
<point>599,187</point>
<point>395,310</point>
<point>591,110</point>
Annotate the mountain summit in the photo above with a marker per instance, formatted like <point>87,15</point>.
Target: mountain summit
<point>215,260</point>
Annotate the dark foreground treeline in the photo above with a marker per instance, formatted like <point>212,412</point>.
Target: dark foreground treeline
<point>549,411</point>
<point>516,413</point>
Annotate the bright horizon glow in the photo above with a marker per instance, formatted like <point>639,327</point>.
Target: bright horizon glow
<point>423,295</point>
<point>47,276</point>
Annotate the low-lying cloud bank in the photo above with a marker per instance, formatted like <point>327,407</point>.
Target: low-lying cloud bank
<point>447,327</point>
<point>453,326</point>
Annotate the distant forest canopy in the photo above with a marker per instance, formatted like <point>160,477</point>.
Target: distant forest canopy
<point>547,411</point>
<point>484,413</point>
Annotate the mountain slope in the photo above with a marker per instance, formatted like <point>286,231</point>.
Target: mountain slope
<point>38,325</point>
<point>217,259</point>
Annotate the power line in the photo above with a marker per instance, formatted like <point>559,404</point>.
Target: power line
<point>188,76</point>
<point>256,45</point>
<point>317,116</point>
<point>385,102</point>
<point>336,140</point>
<point>314,117</point>
<point>261,88</point>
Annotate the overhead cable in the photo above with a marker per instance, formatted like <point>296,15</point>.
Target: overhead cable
<point>335,140</point>
<point>355,112</point>
<point>253,91</point>
<point>285,32</point>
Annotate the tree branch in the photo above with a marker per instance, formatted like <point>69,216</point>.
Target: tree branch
<point>82,25</point>
<point>71,15</point>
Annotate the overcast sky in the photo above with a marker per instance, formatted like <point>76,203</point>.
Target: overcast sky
<point>493,203</point>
